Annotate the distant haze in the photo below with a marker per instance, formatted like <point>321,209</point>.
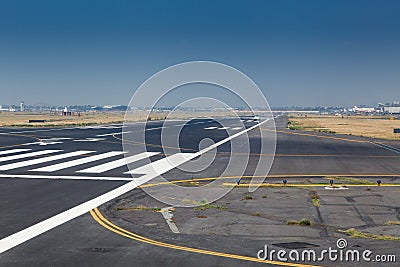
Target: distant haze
<point>300,53</point>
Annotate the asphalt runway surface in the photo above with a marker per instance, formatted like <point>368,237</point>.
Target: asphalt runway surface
<point>46,171</point>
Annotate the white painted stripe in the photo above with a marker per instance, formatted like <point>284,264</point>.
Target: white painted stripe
<point>111,127</point>
<point>390,148</point>
<point>22,236</point>
<point>41,143</point>
<point>72,163</point>
<point>90,140</point>
<point>210,128</point>
<point>12,151</point>
<point>118,163</point>
<point>55,177</point>
<point>41,160</point>
<point>237,128</point>
<point>57,139</point>
<point>157,128</point>
<point>109,134</point>
<point>161,166</point>
<point>166,213</point>
<point>223,128</point>
<point>49,143</point>
<point>27,155</point>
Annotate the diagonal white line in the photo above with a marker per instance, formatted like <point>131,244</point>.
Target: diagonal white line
<point>163,165</point>
<point>52,222</point>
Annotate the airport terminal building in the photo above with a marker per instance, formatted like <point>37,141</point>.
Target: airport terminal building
<point>393,108</point>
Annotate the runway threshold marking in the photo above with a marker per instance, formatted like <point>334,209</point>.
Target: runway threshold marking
<point>27,155</point>
<point>63,217</point>
<point>99,218</point>
<point>72,163</point>
<point>13,151</point>
<point>118,163</point>
<point>66,177</point>
<point>42,160</point>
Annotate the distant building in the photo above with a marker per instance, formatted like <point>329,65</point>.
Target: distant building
<point>391,108</point>
<point>22,106</point>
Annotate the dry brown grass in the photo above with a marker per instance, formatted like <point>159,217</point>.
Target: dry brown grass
<point>21,119</point>
<point>375,127</point>
<point>86,118</point>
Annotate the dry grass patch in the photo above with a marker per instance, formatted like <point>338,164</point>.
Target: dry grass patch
<point>393,223</point>
<point>21,119</point>
<point>140,207</point>
<point>51,120</point>
<point>302,222</point>
<point>375,127</point>
<point>354,233</point>
<point>351,180</point>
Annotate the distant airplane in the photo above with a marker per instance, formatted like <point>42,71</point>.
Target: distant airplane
<point>363,110</point>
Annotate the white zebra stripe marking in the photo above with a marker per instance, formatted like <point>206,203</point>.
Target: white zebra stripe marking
<point>161,166</point>
<point>68,164</point>
<point>12,151</point>
<point>42,160</point>
<point>118,163</point>
<point>27,155</point>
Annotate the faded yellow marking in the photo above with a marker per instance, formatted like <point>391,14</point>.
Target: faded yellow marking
<point>98,217</point>
<point>311,185</point>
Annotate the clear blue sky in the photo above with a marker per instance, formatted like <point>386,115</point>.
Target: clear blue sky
<point>299,52</point>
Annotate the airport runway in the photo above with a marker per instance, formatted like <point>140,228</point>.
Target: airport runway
<point>46,171</point>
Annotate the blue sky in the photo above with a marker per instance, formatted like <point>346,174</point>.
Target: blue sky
<point>298,52</point>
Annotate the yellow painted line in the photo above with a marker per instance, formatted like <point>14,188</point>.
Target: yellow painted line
<point>98,217</point>
<point>308,155</point>
<point>309,185</point>
<point>288,175</point>
<point>22,135</point>
<point>331,175</point>
<point>278,155</point>
<point>284,176</point>
<point>320,136</point>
